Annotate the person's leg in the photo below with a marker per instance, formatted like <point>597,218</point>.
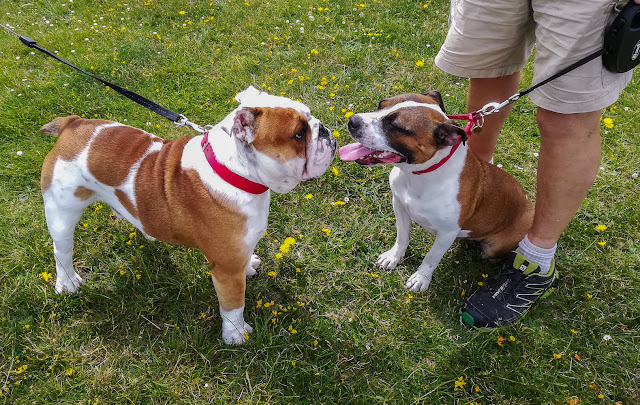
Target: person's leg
<point>567,166</point>
<point>481,92</point>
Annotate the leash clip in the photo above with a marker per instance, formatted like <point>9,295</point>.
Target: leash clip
<point>494,108</point>
<point>184,122</point>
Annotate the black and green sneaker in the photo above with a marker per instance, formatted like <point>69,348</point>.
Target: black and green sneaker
<point>506,297</point>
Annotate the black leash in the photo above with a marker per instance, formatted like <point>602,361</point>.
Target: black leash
<point>178,119</point>
<point>493,108</point>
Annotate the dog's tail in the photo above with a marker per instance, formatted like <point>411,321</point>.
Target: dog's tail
<point>55,127</point>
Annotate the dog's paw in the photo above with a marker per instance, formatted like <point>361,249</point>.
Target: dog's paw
<point>252,267</point>
<point>389,259</point>
<point>418,282</point>
<point>237,336</point>
<point>68,284</point>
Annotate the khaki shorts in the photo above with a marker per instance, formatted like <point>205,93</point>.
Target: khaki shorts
<point>495,38</point>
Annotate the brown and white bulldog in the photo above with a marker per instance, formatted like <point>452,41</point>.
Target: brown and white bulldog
<point>209,192</point>
<point>437,182</point>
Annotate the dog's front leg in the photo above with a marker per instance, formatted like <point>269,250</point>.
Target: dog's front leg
<point>390,259</point>
<point>420,280</point>
<point>230,284</point>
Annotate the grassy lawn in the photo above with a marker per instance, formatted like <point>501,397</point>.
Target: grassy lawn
<point>329,326</point>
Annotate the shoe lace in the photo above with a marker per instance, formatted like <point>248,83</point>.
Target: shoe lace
<point>494,284</point>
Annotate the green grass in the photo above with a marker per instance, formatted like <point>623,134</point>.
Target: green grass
<point>361,337</point>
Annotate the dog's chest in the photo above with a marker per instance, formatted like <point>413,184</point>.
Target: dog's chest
<point>430,202</point>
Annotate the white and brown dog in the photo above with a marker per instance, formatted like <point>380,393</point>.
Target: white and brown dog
<point>210,192</point>
<point>437,182</point>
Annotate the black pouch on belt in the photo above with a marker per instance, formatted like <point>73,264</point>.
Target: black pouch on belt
<point>622,40</point>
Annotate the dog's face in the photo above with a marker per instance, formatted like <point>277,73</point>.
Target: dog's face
<point>287,143</point>
<point>408,128</point>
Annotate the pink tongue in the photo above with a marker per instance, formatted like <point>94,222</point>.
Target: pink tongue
<point>354,151</point>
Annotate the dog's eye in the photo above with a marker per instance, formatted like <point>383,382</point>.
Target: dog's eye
<point>394,124</point>
<point>301,134</point>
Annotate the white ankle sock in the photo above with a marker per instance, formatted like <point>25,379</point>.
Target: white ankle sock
<point>535,254</point>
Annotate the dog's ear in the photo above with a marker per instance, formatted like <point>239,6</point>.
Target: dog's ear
<point>436,96</point>
<point>382,104</point>
<point>448,134</point>
<point>245,124</point>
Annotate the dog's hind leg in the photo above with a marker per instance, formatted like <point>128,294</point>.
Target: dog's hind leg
<point>62,217</point>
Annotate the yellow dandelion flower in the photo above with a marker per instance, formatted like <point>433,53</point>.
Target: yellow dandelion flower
<point>460,382</point>
<point>71,372</point>
<point>182,12</point>
<point>336,134</point>
<point>602,243</point>
<point>326,231</point>
<point>512,338</point>
<point>349,114</point>
<point>334,170</point>
<point>420,63</point>
<point>601,228</point>
<point>46,276</point>
<point>608,122</point>
<point>374,275</point>
<point>308,196</point>
<point>271,274</point>
<point>315,343</point>
<point>557,356</point>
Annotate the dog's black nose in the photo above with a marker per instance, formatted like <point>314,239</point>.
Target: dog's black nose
<point>355,122</point>
<point>323,132</point>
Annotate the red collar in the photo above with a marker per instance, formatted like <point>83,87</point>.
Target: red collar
<point>475,120</point>
<point>443,161</point>
<point>227,175</point>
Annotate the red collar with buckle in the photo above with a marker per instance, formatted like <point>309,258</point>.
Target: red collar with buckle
<point>475,120</point>
<point>227,175</point>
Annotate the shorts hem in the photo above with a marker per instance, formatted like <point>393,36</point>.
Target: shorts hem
<point>485,73</point>
<point>575,108</point>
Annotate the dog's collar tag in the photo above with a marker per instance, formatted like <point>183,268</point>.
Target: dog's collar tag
<point>227,175</point>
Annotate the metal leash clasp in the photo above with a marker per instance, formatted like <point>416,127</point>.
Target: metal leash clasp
<point>184,122</point>
<point>494,108</point>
